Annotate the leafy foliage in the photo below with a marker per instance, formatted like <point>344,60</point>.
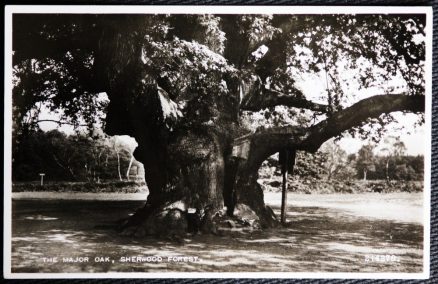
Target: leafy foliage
<point>338,164</point>
<point>68,64</point>
<point>354,52</point>
<point>205,76</point>
<point>365,159</point>
<point>331,162</point>
<point>69,158</point>
<point>191,78</point>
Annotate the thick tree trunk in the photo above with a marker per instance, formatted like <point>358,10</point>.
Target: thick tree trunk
<point>129,167</point>
<point>193,199</point>
<point>189,169</point>
<point>191,176</point>
<point>284,196</point>
<point>247,192</point>
<point>249,202</point>
<point>118,166</point>
<point>189,172</point>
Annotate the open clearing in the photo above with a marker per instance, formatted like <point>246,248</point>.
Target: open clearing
<point>325,233</point>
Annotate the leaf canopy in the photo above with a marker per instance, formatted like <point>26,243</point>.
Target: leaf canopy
<point>65,61</point>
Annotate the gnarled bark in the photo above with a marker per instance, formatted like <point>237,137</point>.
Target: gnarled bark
<point>192,167</point>
<point>185,166</point>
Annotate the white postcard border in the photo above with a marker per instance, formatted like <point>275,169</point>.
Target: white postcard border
<point>115,9</point>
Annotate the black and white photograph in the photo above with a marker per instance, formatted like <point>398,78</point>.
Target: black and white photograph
<point>214,141</point>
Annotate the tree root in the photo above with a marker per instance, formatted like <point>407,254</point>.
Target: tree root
<point>174,223</point>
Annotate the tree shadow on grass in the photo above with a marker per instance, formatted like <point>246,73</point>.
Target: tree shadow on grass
<point>314,240</point>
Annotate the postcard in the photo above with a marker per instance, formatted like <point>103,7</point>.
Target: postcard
<point>217,141</point>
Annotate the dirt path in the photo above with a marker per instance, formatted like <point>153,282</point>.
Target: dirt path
<point>400,207</point>
<point>323,235</point>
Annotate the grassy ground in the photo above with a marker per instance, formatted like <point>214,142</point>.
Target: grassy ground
<point>323,234</point>
<point>109,186</point>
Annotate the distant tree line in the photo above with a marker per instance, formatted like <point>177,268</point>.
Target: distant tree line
<point>389,164</point>
<point>331,162</point>
<point>76,157</point>
<point>80,157</point>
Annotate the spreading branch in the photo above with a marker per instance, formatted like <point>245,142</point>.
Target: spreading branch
<point>358,113</point>
<point>261,98</point>
<point>267,142</point>
<point>59,122</point>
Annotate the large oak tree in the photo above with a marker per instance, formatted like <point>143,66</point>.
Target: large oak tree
<point>185,86</point>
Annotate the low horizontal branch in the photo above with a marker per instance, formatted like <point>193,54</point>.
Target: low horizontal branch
<point>60,122</point>
<point>270,98</point>
<point>266,142</point>
<point>358,113</point>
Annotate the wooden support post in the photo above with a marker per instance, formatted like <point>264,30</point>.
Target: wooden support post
<point>284,194</point>
<point>287,162</point>
<point>284,157</point>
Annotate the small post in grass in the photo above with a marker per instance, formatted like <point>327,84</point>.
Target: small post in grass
<point>42,178</point>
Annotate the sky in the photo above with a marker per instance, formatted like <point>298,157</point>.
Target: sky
<point>414,140</point>
<point>413,136</point>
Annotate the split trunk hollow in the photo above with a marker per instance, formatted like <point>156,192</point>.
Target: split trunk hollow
<point>207,190</point>
<point>192,172</point>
